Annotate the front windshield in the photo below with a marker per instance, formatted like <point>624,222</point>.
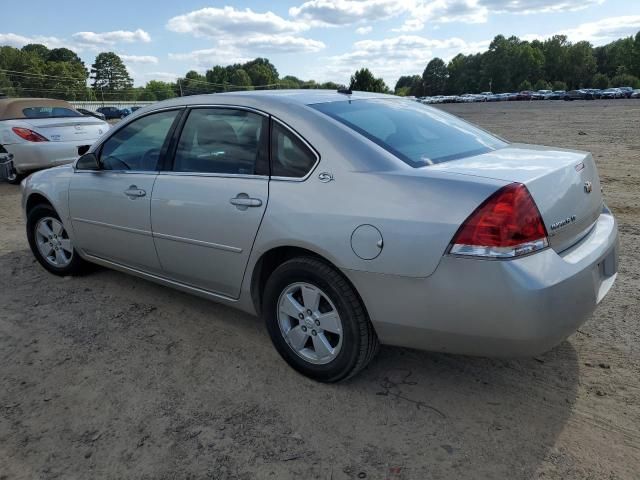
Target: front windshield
<point>416,134</point>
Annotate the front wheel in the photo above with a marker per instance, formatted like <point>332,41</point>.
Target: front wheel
<point>316,320</point>
<point>50,242</point>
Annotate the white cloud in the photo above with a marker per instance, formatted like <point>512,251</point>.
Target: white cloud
<point>215,22</point>
<point>148,59</point>
<point>347,12</point>
<point>605,30</point>
<point>280,44</point>
<point>390,57</point>
<point>537,6</point>
<point>240,34</point>
<point>364,30</point>
<point>598,32</point>
<point>205,58</point>
<point>112,38</point>
<point>444,11</point>
<point>14,40</point>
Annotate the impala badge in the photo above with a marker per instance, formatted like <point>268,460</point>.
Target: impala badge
<point>563,223</point>
<point>588,187</point>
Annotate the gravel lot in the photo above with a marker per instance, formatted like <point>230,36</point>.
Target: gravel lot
<point>109,376</point>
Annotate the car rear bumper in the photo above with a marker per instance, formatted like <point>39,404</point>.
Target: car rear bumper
<point>35,156</point>
<point>515,307</point>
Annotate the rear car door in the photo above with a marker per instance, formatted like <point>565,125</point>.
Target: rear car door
<point>206,210</point>
<point>110,208</point>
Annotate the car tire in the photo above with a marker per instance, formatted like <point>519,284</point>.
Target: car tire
<point>312,345</point>
<point>63,259</point>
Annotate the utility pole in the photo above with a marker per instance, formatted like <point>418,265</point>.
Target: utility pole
<point>180,86</point>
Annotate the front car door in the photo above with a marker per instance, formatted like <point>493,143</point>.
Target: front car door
<point>206,210</point>
<point>110,208</point>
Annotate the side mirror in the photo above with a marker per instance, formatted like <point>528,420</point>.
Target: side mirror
<point>88,161</point>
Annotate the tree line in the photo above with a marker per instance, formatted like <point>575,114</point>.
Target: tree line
<point>511,64</point>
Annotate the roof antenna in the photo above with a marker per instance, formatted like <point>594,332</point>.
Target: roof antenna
<point>346,91</point>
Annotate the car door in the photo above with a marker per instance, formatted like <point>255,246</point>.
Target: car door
<point>110,208</point>
<point>206,210</point>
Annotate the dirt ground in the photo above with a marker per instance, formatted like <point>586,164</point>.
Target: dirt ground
<point>109,376</point>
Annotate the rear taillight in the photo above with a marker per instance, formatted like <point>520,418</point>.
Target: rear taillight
<point>29,135</point>
<point>507,224</point>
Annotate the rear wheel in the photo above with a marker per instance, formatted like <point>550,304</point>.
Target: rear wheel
<point>50,242</point>
<point>317,321</point>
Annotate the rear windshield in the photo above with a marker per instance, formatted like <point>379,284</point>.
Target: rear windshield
<point>416,134</point>
<point>49,112</point>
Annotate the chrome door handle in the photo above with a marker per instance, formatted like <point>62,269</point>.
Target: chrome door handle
<point>134,192</point>
<point>242,201</point>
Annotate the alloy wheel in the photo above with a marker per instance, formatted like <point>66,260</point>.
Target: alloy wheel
<point>53,242</point>
<point>310,323</point>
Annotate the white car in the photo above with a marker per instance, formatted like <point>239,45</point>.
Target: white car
<point>37,133</point>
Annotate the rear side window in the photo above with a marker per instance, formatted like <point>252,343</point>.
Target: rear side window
<point>137,146</point>
<point>290,157</point>
<point>223,140</point>
<point>416,134</point>
<point>49,112</point>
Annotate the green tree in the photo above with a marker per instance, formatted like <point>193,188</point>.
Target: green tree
<point>542,85</point>
<point>625,80</point>
<point>559,85</point>
<point>37,49</point>
<point>219,76</point>
<point>261,71</point>
<point>434,77</point>
<point>581,65</point>
<point>600,80</point>
<point>63,55</point>
<point>158,90</point>
<point>110,76</point>
<point>193,83</point>
<point>524,85</point>
<point>409,85</point>
<point>240,78</point>
<point>364,81</point>
<point>555,57</point>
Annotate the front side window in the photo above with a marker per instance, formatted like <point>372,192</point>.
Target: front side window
<point>416,134</point>
<point>290,157</point>
<point>137,146</point>
<point>224,141</point>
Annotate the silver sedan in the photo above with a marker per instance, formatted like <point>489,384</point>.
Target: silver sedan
<point>344,219</point>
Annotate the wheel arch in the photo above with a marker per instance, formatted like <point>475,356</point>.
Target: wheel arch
<point>276,256</point>
<point>36,198</point>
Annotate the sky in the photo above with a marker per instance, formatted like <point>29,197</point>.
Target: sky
<point>324,40</point>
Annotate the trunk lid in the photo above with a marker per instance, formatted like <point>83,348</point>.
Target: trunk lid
<point>68,129</point>
<point>564,184</point>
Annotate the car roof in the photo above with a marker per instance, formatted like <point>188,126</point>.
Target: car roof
<point>273,97</point>
<point>12,108</point>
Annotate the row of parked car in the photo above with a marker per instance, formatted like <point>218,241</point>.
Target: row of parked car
<point>580,94</point>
